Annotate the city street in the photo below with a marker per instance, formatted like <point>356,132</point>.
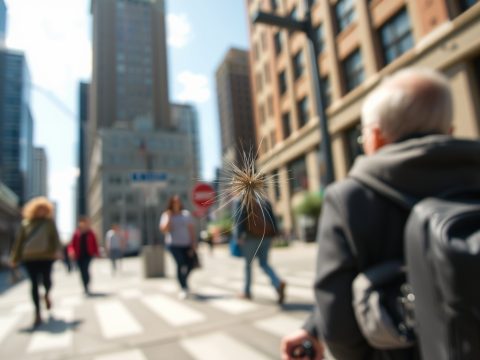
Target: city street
<point>131,318</point>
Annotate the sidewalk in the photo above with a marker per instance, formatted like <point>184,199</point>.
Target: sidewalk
<point>132,318</point>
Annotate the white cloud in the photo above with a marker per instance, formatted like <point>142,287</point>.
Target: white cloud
<point>194,87</point>
<point>179,30</point>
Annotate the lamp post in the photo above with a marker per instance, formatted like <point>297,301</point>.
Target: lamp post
<point>306,27</point>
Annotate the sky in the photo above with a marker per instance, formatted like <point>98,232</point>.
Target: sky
<point>55,36</point>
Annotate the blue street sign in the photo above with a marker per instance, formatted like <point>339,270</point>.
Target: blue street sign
<point>148,176</point>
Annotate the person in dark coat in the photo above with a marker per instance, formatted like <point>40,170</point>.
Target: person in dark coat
<point>83,248</point>
<point>406,126</point>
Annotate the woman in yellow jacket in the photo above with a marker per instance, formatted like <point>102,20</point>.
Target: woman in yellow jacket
<point>36,247</point>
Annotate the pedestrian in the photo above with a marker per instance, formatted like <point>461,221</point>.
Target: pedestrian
<point>177,225</point>
<point>83,248</point>
<point>254,230</point>
<point>36,247</point>
<point>406,133</point>
<point>114,245</point>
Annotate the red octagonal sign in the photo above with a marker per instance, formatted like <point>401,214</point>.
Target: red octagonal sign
<point>203,195</point>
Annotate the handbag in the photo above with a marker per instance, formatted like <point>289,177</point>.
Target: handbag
<point>194,259</point>
<point>235,249</point>
<point>36,242</point>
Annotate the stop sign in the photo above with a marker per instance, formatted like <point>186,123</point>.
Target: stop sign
<point>203,195</point>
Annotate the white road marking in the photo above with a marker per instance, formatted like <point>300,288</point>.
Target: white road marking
<point>279,325</point>
<point>218,346</point>
<point>173,312</point>
<point>115,320</point>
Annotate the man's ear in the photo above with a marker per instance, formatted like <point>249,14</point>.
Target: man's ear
<point>378,139</point>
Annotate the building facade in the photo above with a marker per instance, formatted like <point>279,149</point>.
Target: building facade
<point>3,23</point>
<point>16,124</point>
<point>115,192</point>
<point>40,172</point>
<point>184,118</point>
<point>359,43</point>
<point>82,149</point>
<point>130,129</point>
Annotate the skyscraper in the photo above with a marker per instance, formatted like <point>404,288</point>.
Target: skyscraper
<point>3,22</point>
<point>39,172</point>
<point>235,105</point>
<point>129,77</point>
<point>16,124</point>
<point>82,164</point>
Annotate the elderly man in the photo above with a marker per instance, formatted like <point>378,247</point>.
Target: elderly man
<point>406,126</point>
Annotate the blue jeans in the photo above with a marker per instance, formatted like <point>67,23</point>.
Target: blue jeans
<point>248,250</point>
<point>184,264</point>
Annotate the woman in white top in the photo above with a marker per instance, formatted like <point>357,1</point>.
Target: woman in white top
<point>114,245</point>
<point>177,225</point>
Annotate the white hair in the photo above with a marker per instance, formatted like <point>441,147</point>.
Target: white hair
<point>408,102</point>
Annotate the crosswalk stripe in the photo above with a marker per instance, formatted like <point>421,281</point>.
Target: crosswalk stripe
<point>123,355</point>
<point>171,311</point>
<point>168,287</point>
<point>7,323</point>
<point>23,308</point>
<point>71,301</point>
<point>300,281</point>
<point>115,320</point>
<point>218,346</point>
<point>55,334</point>
<point>130,293</point>
<point>279,325</point>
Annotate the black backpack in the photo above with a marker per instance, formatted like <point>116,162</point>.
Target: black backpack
<point>439,299</point>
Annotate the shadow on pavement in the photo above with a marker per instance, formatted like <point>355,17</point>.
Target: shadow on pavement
<point>53,326</point>
<point>98,295</point>
<point>207,297</point>
<point>9,278</point>
<point>297,307</point>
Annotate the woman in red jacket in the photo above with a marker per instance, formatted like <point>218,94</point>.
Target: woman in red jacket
<point>83,248</point>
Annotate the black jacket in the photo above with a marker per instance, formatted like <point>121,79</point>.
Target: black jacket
<point>359,228</point>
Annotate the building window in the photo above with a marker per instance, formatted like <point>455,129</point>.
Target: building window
<point>353,70</point>
<point>276,184</point>
<point>354,149</point>
<point>466,4</point>
<point>278,42</point>
<point>274,5</point>
<point>297,172</point>
<point>345,12</point>
<point>319,39</point>
<point>287,129</point>
<point>298,64</point>
<point>302,111</point>
<point>326,91</point>
<point>396,36</point>
<point>282,82</point>
<point>293,13</point>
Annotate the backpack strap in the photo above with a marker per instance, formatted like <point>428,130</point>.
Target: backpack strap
<point>403,200</point>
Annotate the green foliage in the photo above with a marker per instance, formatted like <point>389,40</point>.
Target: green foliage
<point>223,225</point>
<point>311,205</point>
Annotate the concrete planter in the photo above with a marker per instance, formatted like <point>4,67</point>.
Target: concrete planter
<point>153,261</point>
